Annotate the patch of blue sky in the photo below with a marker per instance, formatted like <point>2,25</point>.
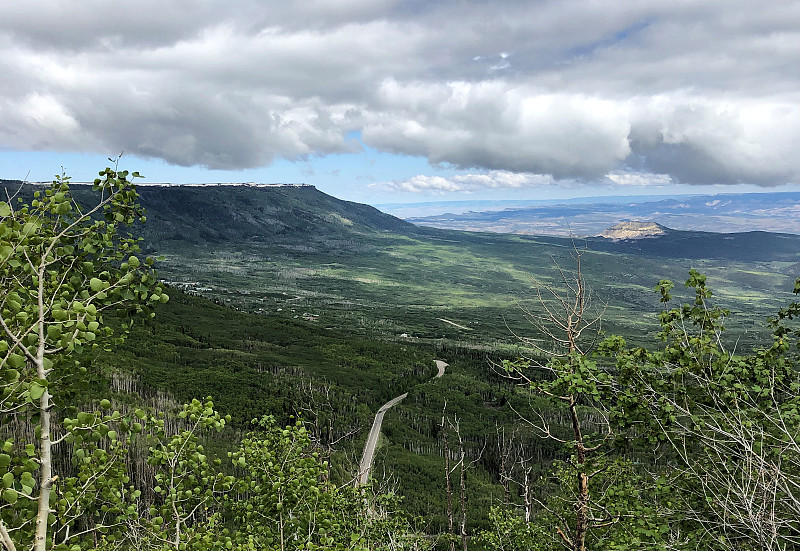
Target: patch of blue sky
<point>359,176</point>
<point>349,176</point>
<point>622,35</point>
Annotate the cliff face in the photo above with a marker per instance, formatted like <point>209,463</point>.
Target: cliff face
<point>634,230</point>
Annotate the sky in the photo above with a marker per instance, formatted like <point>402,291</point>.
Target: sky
<point>386,101</point>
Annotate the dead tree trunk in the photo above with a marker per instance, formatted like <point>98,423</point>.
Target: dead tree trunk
<point>463,481</point>
<point>450,532</point>
<point>565,320</point>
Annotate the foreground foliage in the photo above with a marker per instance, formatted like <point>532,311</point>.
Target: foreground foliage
<point>729,424</point>
<point>61,267</point>
<point>714,436</point>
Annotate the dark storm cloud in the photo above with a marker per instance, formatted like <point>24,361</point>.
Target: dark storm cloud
<point>697,92</point>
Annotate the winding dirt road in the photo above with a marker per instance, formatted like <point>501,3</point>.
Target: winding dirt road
<point>372,440</point>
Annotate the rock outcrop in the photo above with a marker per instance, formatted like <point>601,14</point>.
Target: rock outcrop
<point>634,230</point>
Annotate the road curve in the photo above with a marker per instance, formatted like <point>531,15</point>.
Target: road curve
<point>372,440</point>
<point>440,365</point>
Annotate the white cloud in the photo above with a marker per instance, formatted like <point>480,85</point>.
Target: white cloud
<point>495,179</point>
<point>490,125</point>
<point>702,92</point>
<point>713,140</point>
<point>621,178</point>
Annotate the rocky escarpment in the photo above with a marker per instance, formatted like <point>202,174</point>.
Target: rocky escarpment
<point>634,230</point>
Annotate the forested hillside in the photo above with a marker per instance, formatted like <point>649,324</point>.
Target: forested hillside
<point>241,213</point>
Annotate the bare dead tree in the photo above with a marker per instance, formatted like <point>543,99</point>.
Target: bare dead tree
<point>506,460</point>
<point>447,481</point>
<point>463,488</point>
<point>328,425</point>
<point>462,465</point>
<point>567,326</point>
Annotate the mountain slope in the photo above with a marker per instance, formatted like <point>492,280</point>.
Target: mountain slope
<point>244,212</point>
<point>255,213</point>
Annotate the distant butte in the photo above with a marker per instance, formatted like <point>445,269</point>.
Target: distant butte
<point>634,229</point>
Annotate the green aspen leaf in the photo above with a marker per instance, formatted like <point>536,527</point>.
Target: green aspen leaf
<point>30,228</point>
<point>8,480</point>
<point>54,331</point>
<point>95,284</point>
<point>11,375</point>
<point>10,496</point>
<point>5,460</point>
<point>15,360</point>
<point>105,404</point>
<point>36,391</point>
<point>5,209</point>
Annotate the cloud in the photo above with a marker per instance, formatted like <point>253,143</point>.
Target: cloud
<point>571,89</point>
<point>495,179</point>
<point>501,179</point>
<point>488,125</point>
<point>717,141</point>
<point>638,179</point>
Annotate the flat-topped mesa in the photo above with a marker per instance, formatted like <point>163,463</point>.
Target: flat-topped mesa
<point>223,184</point>
<point>634,229</point>
<point>140,183</point>
<point>293,214</point>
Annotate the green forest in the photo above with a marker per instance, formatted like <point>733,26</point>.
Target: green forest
<point>223,401</point>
